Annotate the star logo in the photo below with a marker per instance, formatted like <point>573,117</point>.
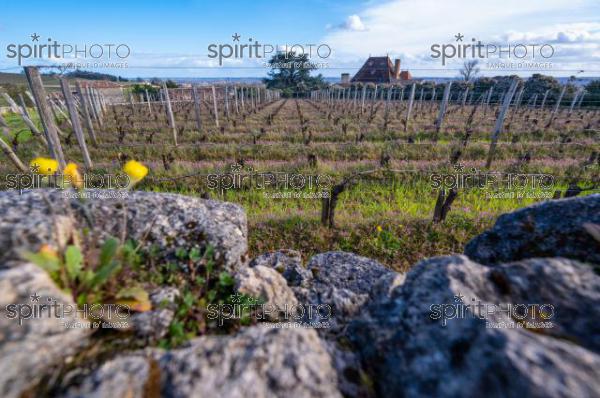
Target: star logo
<point>459,37</point>
<point>236,298</point>
<point>458,298</point>
<point>458,167</point>
<point>236,168</point>
<point>35,168</point>
<point>35,37</point>
<point>35,297</point>
<point>236,37</point>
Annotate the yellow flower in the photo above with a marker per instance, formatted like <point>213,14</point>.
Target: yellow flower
<point>73,174</point>
<point>136,171</point>
<point>379,229</point>
<point>48,251</point>
<point>44,166</point>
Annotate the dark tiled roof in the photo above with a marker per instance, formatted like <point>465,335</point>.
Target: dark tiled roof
<point>375,70</point>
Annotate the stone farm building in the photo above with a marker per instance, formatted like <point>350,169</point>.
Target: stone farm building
<point>380,70</point>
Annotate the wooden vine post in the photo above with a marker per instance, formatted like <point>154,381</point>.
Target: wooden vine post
<point>39,93</point>
<point>75,122</point>
<point>500,121</point>
<point>170,113</point>
<point>85,108</point>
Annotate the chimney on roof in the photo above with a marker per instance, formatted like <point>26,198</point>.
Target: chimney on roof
<point>397,68</point>
<point>345,78</point>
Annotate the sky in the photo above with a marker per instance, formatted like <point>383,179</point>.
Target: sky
<point>173,38</point>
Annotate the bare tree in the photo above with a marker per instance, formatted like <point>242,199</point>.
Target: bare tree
<point>469,70</point>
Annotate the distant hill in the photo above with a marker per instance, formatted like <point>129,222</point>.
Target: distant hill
<point>52,79</point>
<point>84,74</point>
<point>19,78</point>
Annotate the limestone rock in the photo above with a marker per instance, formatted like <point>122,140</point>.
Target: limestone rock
<point>341,285</point>
<point>411,350</point>
<point>35,347</point>
<point>346,271</point>
<point>257,362</point>
<point>131,376</point>
<point>168,221</point>
<point>554,228</point>
<point>154,324</point>
<point>288,263</point>
<point>266,284</point>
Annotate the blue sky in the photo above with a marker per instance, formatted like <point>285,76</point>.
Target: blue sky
<point>172,38</point>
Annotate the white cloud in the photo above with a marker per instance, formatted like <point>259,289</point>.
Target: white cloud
<point>577,32</point>
<point>353,23</point>
<point>408,28</point>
